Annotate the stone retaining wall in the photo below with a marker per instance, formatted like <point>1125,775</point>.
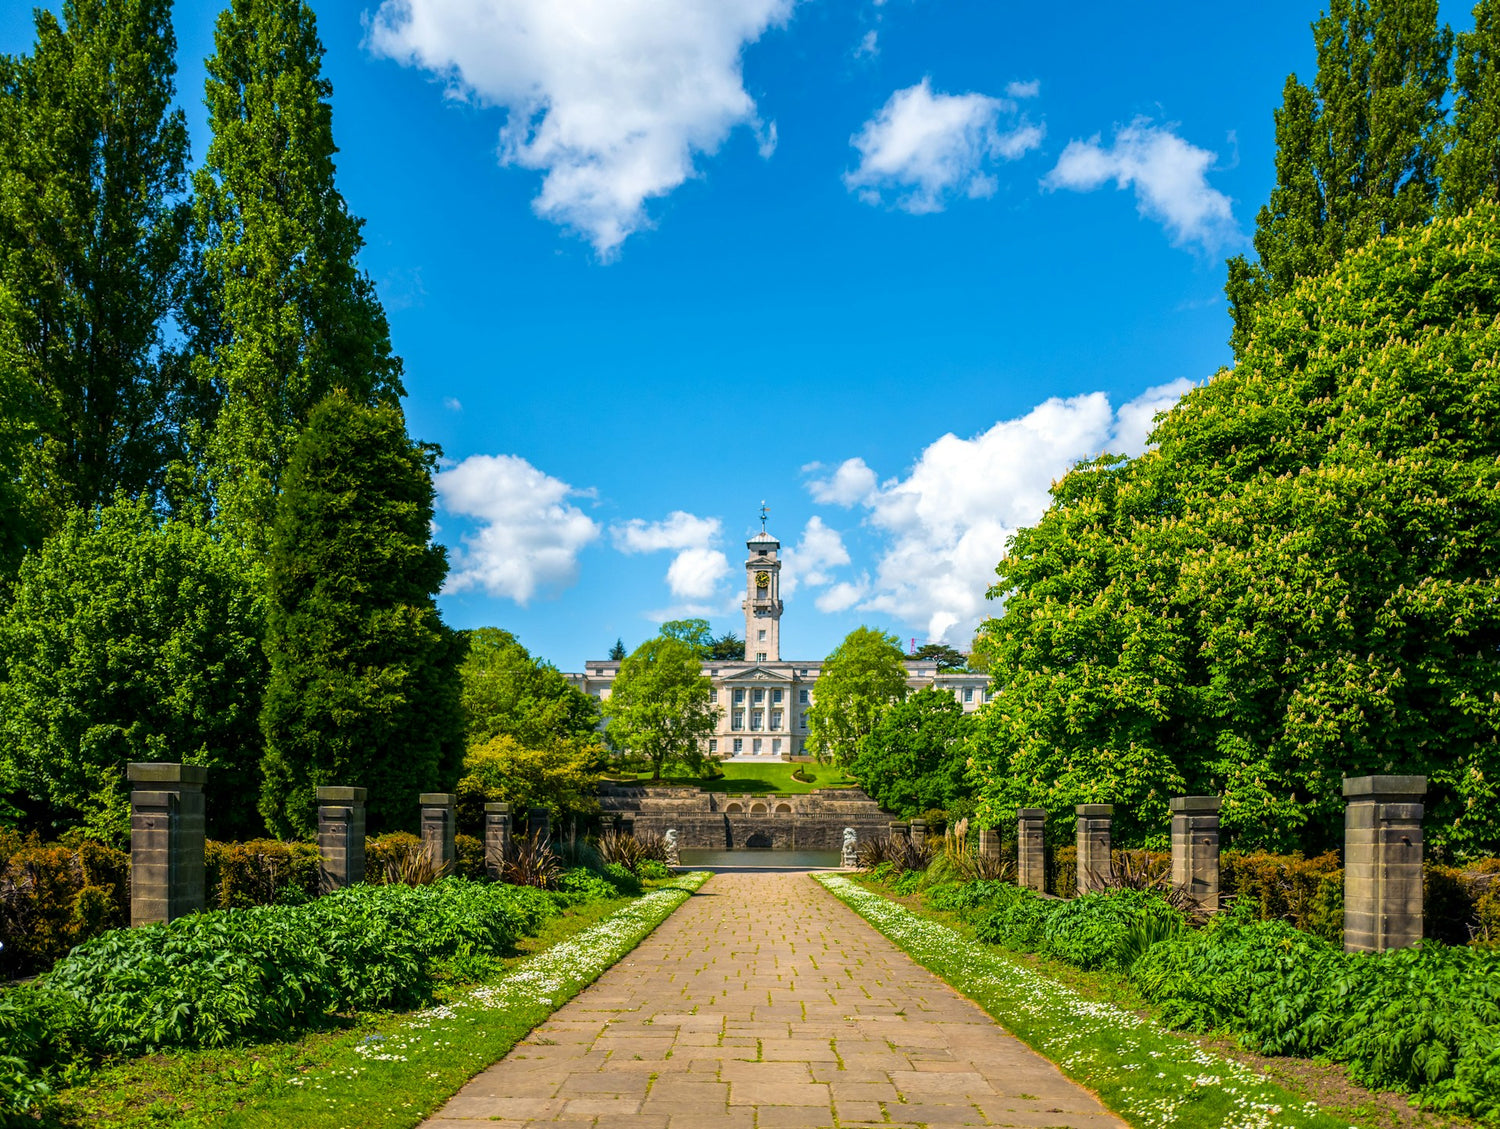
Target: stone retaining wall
<point>724,821</point>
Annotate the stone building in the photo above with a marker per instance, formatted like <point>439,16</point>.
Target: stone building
<point>763,699</point>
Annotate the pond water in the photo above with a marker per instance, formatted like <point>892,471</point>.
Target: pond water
<point>763,856</point>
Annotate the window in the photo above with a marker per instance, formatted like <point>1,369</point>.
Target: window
<point>776,696</point>
<point>760,637</point>
<point>760,656</point>
<point>988,694</point>
<point>739,720</point>
<point>739,696</point>
<point>713,745</point>
<point>739,745</point>
<point>757,695</point>
<point>968,693</point>
<point>804,719</point>
<point>776,747</point>
<point>775,720</point>
<point>713,697</point>
<point>755,748</point>
<point>757,719</point>
<point>802,696</point>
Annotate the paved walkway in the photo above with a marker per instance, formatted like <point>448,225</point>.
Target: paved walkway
<point>765,1003</point>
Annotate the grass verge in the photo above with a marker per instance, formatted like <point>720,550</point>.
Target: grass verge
<point>386,1071</point>
<point>763,779</point>
<point>1148,1076</point>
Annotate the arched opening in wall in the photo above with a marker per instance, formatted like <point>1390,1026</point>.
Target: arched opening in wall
<point>734,807</point>
<point>757,809</point>
<point>783,807</point>
<point>759,839</point>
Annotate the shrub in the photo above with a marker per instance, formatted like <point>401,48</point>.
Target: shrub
<point>578,885</point>
<point>530,861</point>
<point>470,851</point>
<point>260,872</point>
<point>53,897</point>
<point>625,881</point>
<point>401,859</point>
<point>1062,872</point>
<point>654,871</point>
<point>1309,893</point>
<point>1097,930</point>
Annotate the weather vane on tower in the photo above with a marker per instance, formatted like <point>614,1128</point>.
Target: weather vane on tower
<point>763,512</point>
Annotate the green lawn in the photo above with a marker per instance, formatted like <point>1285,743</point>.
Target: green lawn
<point>765,779</point>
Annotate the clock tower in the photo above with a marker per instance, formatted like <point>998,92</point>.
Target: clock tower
<point>762,602</point>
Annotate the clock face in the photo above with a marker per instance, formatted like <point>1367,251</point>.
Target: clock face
<point>762,579</point>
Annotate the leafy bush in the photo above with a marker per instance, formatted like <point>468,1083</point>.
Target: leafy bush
<point>578,885</point>
<point>1308,892</point>
<point>530,861</point>
<point>1097,930</point>
<point>622,879</point>
<point>53,897</point>
<point>654,871</point>
<point>260,872</point>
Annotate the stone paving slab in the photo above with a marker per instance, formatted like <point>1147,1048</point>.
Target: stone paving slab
<point>765,1003</point>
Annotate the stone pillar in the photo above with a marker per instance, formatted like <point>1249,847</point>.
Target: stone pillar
<point>166,841</point>
<point>496,839</point>
<point>1031,849</point>
<point>1383,862</point>
<point>1195,849</point>
<point>539,824</point>
<point>437,829</point>
<point>989,843</point>
<point>918,832</point>
<point>341,838</point>
<point>627,824</point>
<point>1094,866</point>
<point>900,831</point>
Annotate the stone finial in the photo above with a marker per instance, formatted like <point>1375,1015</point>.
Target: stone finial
<point>496,839</point>
<point>1031,848</point>
<point>1095,867</point>
<point>167,830</point>
<point>1195,849</point>
<point>437,829</point>
<point>1383,862</point>
<point>341,837</point>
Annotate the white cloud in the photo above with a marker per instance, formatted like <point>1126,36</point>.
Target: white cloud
<point>925,147</point>
<point>850,483</point>
<point>1169,176</point>
<point>694,574</point>
<point>529,536</point>
<point>869,46</point>
<point>613,100</point>
<point>681,530</point>
<point>810,560</point>
<point>947,522</point>
<point>1024,89</point>
<point>453,404</point>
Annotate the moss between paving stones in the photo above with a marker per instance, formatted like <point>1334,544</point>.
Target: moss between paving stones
<point>392,1071</point>
<point>1148,1076</point>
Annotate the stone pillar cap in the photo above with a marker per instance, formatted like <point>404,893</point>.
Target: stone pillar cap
<point>497,808</point>
<point>1094,810</point>
<point>1031,813</point>
<point>1196,803</point>
<point>436,799</point>
<point>1384,786</point>
<point>166,773</point>
<point>336,794</point>
<point>923,822</point>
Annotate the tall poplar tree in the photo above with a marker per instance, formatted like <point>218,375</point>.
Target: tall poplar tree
<point>285,314</point>
<point>1356,153</point>
<point>364,688</point>
<point>1471,167</point>
<point>93,221</point>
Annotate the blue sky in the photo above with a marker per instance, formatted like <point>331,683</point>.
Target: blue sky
<point>890,267</point>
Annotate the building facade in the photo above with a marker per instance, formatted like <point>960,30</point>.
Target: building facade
<point>763,700</point>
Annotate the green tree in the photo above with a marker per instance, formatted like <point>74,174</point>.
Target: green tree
<point>1356,153</point>
<point>862,678</point>
<point>20,523</point>
<point>364,687</point>
<point>284,315</point>
<point>1471,168</point>
<point>728,647</point>
<point>131,638</point>
<point>508,692</point>
<point>1299,583</point>
<point>561,775</point>
<point>658,710</point>
<point>93,225</point>
<point>946,657</point>
<point>617,652</point>
<point>916,757</point>
<point>694,632</point>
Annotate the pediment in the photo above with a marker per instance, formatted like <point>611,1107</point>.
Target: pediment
<point>758,673</point>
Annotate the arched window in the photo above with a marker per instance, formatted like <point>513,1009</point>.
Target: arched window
<point>734,807</point>
<point>783,807</point>
<point>757,809</point>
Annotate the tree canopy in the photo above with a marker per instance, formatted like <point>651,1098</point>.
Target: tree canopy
<point>658,710</point>
<point>364,685</point>
<point>1298,583</point>
<point>508,692</point>
<point>916,758</point>
<point>861,678</point>
<point>130,638</point>
<point>946,657</point>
